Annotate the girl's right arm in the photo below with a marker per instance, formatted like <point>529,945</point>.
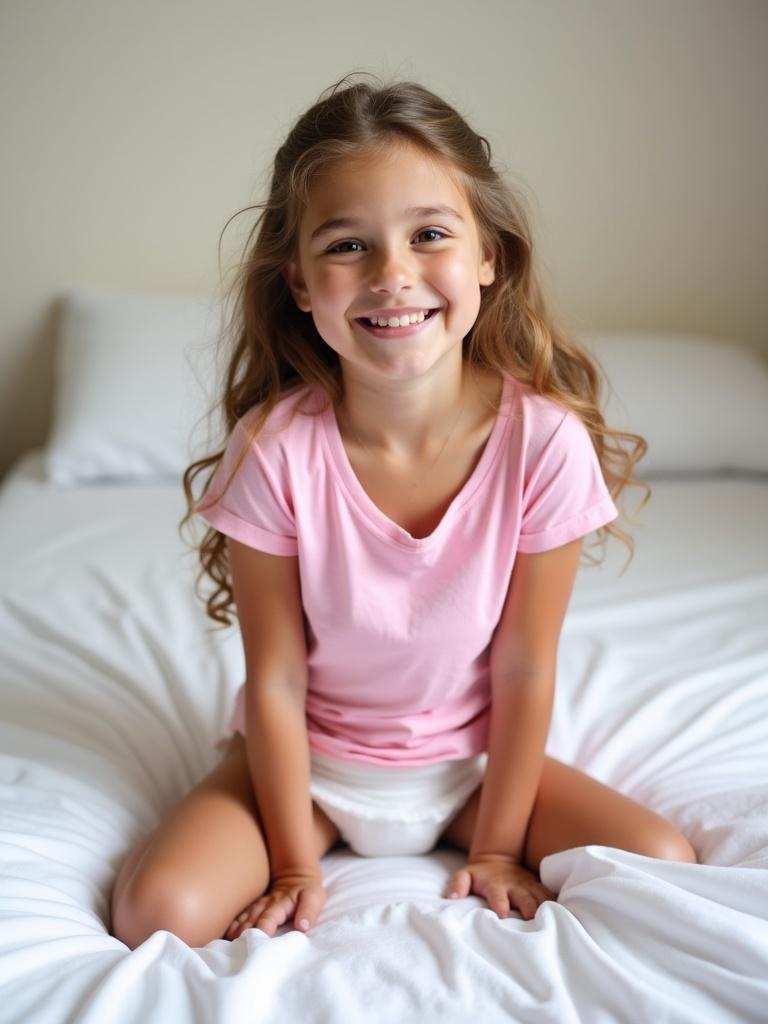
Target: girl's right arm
<point>267,594</point>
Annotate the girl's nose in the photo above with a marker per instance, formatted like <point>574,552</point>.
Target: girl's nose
<point>391,271</point>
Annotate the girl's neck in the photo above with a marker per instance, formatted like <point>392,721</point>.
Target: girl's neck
<point>408,422</point>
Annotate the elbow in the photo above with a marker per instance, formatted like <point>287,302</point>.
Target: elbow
<point>531,678</point>
<point>293,687</point>
<point>517,668</point>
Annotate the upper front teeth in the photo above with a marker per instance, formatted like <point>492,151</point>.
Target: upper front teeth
<point>397,321</point>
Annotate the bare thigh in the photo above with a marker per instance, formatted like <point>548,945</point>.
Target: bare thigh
<point>572,809</point>
<point>204,863</point>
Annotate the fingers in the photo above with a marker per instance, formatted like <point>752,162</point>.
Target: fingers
<point>310,903</point>
<point>523,900</point>
<point>245,919</point>
<point>275,915</point>
<point>498,900</point>
<point>528,899</point>
<point>526,903</point>
<point>458,885</point>
<point>266,914</point>
<point>253,916</point>
<point>502,889</point>
<point>274,908</point>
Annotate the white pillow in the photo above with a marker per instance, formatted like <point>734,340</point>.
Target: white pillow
<point>135,378</point>
<point>701,403</point>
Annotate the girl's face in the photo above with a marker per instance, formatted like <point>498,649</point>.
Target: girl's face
<point>389,249</point>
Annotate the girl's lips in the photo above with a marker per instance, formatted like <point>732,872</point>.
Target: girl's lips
<point>397,332</point>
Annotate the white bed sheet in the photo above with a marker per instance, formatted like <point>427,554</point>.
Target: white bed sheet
<point>112,699</point>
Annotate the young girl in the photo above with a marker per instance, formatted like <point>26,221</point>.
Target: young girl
<point>415,453</point>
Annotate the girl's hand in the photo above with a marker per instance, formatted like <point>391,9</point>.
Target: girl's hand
<point>300,895</point>
<point>502,882</point>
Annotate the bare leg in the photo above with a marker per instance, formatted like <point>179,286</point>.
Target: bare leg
<point>572,809</point>
<point>204,864</point>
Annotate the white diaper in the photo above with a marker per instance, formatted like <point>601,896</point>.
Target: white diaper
<point>383,811</point>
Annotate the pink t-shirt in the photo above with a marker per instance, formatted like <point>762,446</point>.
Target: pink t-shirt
<point>399,628</point>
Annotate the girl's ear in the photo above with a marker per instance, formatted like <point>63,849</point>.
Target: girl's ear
<point>295,282</point>
<point>487,270</point>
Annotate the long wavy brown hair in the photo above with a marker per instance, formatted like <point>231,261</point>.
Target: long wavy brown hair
<point>272,347</point>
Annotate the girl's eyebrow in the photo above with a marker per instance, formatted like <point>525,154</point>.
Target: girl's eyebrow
<point>413,211</point>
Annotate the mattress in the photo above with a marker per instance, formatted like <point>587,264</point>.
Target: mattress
<point>114,694</point>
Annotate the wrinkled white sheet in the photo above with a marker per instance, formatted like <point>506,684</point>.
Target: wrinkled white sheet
<point>112,698</point>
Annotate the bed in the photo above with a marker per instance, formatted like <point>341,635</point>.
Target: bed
<point>115,697</point>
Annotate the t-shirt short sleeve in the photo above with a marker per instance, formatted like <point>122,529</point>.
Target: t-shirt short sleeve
<point>255,508</point>
<point>566,496</point>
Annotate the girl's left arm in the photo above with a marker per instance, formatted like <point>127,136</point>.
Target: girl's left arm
<point>523,668</point>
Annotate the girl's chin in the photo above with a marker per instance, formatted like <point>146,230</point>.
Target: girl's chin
<point>388,363</point>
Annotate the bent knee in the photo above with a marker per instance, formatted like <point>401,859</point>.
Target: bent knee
<point>669,844</point>
<point>159,903</point>
<point>682,850</point>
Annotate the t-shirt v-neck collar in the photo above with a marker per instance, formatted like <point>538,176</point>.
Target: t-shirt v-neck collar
<point>370,510</point>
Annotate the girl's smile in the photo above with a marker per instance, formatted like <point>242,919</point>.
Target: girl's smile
<point>403,330</point>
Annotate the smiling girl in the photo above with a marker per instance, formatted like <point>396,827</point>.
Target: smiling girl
<point>414,455</point>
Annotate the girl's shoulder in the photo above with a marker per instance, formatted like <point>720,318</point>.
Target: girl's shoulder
<point>296,406</point>
<point>541,415</point>
<point>550,438</point>
<point>288,421</point>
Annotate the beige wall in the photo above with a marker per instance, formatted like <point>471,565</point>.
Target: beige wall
<point>131,131</point>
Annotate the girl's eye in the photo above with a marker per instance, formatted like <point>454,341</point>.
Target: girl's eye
<point>427,231</point>
<point>337,247</point>
<point>433,231</point>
